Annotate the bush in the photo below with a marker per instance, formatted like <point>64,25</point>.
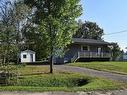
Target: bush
<point>8,75</point>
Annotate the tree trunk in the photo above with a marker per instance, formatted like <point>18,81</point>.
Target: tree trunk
<point>51,64</point>
<point>51,35</point>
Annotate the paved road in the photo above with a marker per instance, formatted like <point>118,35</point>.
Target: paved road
<point>116,92</point>
<point>92,72</point>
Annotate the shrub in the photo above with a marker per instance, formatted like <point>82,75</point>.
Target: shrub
<point>8,75</point>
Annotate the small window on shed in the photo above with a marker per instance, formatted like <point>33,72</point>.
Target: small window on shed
<point>24,56</point>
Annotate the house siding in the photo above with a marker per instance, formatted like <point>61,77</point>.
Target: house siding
<point>74,48</point>
<point>28,57</point>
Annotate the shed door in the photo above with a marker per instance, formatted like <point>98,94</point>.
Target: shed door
<point>31,57</point>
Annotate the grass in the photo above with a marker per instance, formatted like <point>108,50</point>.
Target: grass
<point>32,69</point>
<point>37,79</point>
<point>116,67</point>
<point>61,82</point>
<point>54,80</point>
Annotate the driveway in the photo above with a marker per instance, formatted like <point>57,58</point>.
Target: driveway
<point>91,72</point>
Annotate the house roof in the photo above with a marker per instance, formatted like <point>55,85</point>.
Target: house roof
<point>28,51</point>
<point>89,41</point>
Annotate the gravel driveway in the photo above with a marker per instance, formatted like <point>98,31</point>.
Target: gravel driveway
<point>91,72</point>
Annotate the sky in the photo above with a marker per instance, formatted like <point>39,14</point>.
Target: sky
<point>111,15</point>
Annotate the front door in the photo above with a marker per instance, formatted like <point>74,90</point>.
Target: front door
<point>99,51</point>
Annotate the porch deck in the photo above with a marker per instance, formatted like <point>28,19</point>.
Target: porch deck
<point>90,55</point>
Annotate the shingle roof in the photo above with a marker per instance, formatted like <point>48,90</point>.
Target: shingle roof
<point>28,51</point>
<point>89,41</point>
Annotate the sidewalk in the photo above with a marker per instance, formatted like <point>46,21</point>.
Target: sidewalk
<point>116,92</point>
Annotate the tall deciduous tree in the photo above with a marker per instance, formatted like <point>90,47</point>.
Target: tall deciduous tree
<point>7,30</point>
<point>56,19</point>
<point>89,30</point>
<point>115,51</point>
<point>12,18</point>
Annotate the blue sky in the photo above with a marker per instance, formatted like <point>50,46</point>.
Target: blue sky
<point>111,15</point>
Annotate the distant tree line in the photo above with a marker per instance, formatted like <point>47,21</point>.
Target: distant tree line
<point>89,30</point>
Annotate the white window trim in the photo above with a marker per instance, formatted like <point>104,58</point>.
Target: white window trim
<point>24,55</point>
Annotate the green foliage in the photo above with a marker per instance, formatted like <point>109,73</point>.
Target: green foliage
<point>89,30</point>
<point>56,21</point>
<point>35,42</point>
<point>8,75</point>
<point>12,16</point>
<point>58,28</point>
<point>115,51</point>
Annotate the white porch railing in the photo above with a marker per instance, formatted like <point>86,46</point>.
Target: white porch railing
<point>94,55</point>
<point>90,55</point>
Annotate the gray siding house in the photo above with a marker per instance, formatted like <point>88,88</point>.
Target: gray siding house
<point>122,57</point>
<point>86,50</point>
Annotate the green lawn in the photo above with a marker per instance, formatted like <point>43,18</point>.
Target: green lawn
<point>37,78</point>
<point>116,67</point>
<point>33,70</point>
<point>61,82</point>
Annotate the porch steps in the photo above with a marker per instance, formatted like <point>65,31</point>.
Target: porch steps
<point>75,58</point>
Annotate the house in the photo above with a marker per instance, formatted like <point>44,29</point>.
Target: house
<point>86,50</point>
<point>27,56</point>
<point>125,56</point>
<point>122,57</point>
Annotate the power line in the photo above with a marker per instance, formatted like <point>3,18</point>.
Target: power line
<point>116,32</point>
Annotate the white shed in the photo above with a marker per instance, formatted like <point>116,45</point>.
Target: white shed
<point>27,56</point>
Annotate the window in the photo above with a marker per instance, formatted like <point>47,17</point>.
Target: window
<point>85,48</point>
<point>24,56</point>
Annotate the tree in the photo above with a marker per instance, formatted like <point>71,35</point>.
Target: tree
<point>33,41</point>
<point>7,30</point>
<point>7,38</point>
<point>89,30</point>
<point>56,20</point>
<point>115,51</point>
<point>12,16</point>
